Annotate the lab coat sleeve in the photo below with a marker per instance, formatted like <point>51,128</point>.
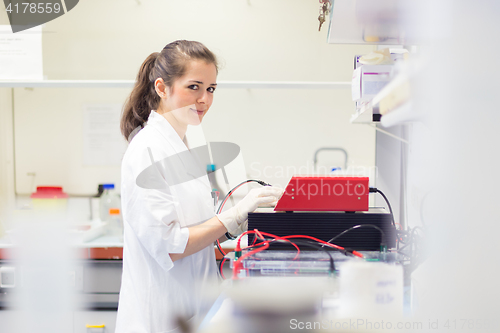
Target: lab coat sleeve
<point>153,214</point>
<point>155,222</point>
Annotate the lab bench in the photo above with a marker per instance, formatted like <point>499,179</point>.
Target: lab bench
<point>95,274</point>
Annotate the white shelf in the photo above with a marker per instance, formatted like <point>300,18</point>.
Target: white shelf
<point>130,84</point>
<point>66,83</point>
<point>364,115</point>
<point>283,85</point>
<point>400,115</point>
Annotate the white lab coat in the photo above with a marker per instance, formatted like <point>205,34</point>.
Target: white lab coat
<point>155,290</point>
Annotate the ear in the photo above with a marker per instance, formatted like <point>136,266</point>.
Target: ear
<point>161,88</point>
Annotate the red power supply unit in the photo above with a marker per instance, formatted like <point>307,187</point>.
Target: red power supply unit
<point>325,193</point>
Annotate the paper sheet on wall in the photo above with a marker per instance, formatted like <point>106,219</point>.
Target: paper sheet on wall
<point>103,144</point>
<point>21,54</point>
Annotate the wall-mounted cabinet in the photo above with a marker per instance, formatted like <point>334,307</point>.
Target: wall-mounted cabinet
<point>368,22</point>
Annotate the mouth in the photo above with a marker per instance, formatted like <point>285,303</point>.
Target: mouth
<point>199,112</point>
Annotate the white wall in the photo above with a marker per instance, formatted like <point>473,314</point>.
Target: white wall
<point>6,156</point>
<point>262,40</point>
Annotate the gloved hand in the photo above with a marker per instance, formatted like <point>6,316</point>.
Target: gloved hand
<point>235,217</point>
<point>241,229</point>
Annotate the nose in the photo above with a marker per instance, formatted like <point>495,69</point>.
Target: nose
<point>204,98</point>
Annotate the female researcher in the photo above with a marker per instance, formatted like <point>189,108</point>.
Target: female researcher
<point>168,213</point>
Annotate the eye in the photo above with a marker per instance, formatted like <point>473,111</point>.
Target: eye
<point>193,87</point>
<point>211,89</point>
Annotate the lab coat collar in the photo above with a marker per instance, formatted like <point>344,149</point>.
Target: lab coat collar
<point>190,162</point>
<point>162,125</point>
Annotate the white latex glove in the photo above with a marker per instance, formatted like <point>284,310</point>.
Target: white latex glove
<point>234,217</point>
<point>241,229</point>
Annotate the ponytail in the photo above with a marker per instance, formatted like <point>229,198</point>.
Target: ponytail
<point>141,101</point>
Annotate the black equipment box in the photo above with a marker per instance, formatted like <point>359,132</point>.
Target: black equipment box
<point>325,226</point>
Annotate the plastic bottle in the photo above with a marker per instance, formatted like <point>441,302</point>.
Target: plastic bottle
<point>115,223</point>
<point>109,199</point>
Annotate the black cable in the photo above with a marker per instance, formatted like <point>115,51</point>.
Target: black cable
<point>228,235</point>
<point>220,268</point>
<point>404,247</point>
<point>413,248</point>
<point>220,249</point>
<point>382,233</point>
<point>403,236</point>
<point>376,190</point>
<point>317,247</point>
<point>234,188</point>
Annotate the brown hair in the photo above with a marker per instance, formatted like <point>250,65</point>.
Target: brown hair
<point>169,64</point>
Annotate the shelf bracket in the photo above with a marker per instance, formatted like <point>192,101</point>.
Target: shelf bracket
<point>388,133</point>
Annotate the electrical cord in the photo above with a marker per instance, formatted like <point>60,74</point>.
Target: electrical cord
<point>343,250</point>
<point>317,247</point>
<point>412,249</point>
<point>286,238</point>
<point>217,243</point>
<point>276,238</point>
<point>382,233</point>
<point>238,263</point>
<point>311,244</point>
<point>403,236</point>
<point>376,190</point>
<point>221,266</point>
<point>227,234</point>
<point>236,187</point>
<point>221,263</point>
<point>265,244</point>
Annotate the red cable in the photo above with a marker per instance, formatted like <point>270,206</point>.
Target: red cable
<point>220,248</point>
<point>283,238</point>
<point>231,193</point>
<point>220,209</point>
<point>275,238</point>
<point>356,253</point>
<point>237,264</point>
<point>221,268</point>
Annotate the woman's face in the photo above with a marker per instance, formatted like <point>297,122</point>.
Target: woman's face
<point>191,95</point>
